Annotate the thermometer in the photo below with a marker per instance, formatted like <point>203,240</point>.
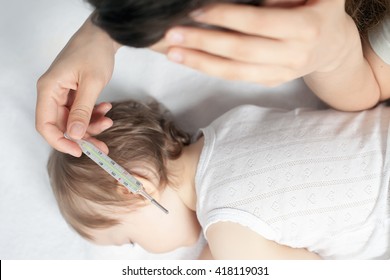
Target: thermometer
<point>115,170</point>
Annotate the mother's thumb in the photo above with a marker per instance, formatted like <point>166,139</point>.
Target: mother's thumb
<point>78,120</point>
<point>82,107</point>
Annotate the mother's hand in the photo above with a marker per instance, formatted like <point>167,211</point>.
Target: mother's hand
<point>68,91</point>
<point>266,45</point>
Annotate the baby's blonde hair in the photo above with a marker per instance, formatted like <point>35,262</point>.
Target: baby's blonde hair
<point>143,137</point>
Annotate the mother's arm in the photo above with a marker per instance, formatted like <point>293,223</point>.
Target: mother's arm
<point>228,240</point>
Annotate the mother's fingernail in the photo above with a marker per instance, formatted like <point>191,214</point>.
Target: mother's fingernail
<point>175,37</point>
<point>197,14</point>
<point>75,153</point>
<point>175,56</point>
<point>77,130</point>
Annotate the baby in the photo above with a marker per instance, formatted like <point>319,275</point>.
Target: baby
<point>260,183</point>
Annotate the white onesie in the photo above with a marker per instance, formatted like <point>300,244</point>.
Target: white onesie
<point>306,179</point>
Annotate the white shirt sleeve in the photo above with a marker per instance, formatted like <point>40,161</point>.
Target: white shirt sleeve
<point>380,40</point>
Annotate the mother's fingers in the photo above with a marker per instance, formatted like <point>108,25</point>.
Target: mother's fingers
<point>269,22</point>
<point>99,125</point>
<point>99,122</point>
<point>232,45</point>
<point>100,110</point>
<point>269,75</point>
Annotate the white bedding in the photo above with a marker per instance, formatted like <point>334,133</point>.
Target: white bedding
<point>31,35</point>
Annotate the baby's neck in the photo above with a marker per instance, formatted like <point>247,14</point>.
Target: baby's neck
<point>185,168</point>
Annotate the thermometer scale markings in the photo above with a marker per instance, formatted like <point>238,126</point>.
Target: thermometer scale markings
<point>106,164</point>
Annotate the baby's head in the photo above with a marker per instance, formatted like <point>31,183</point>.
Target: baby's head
<point>143,23</point>
<point>142,139</point>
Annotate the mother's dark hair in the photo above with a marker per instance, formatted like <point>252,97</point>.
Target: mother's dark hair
<point>141,23</point>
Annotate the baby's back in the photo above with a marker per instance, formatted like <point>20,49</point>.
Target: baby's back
<point>306,179</point>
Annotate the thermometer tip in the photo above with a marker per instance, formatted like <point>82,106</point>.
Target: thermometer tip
<point>159,206</point>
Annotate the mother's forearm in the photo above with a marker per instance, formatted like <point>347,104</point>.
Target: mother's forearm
<point>350,87</point>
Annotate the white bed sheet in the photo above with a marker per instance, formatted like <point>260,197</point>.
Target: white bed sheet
<point>31,35</point>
